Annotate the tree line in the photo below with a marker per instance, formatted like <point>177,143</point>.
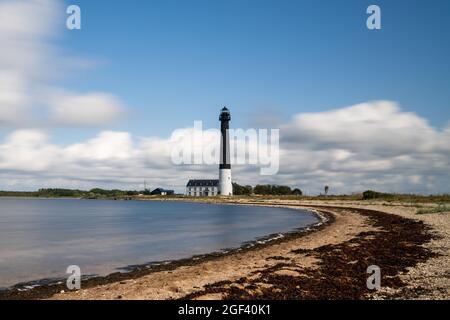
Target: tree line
<point>70,193</point>
<point>266,189</point>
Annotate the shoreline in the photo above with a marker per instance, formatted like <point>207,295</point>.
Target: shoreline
<point>307,259</point>
<point>45,288</point>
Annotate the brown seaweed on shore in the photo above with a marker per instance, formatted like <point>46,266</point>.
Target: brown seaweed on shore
<point>341,273</point>
<point>278,258</point>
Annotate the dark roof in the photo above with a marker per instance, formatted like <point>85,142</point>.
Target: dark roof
<point>161,190</point>
<point>203,183</point>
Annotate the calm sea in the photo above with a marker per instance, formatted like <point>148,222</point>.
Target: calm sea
<point>40,238</point>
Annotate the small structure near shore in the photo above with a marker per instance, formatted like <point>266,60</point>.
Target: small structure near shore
<point>162,192</point>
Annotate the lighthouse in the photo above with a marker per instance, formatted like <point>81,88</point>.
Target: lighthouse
<point>225,186</point>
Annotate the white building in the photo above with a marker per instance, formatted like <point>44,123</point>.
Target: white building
<point>202,188</point>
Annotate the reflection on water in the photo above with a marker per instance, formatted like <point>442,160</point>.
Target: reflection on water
<point>39,238</point>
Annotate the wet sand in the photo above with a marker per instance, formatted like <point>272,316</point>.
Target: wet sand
<point>327,262</point>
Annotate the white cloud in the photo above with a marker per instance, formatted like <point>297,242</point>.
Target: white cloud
<point>30,64</point>
<point>383,147</point>
<point>108,146</point>
<point>327,148</point>
<point>12,98</point>
<point>84,110</point>
<point>28,151</point>
<point>375,127</point>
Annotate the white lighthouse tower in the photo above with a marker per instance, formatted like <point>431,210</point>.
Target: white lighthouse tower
<point>225,186</point>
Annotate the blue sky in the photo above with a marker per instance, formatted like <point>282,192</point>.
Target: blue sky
<point>357,109</point>
<point>177,61</point>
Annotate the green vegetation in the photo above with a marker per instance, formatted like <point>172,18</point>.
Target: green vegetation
<point>259,191</point>
<point>440,209</point>
<point>413,198</point>
<point>369,195</point>
<point>69,193</point>
<point>272,190</point>
<point>17,194</point>
<point>59,193</point>
<point>112,193</point>
<point>388,199</point>
<point>276,190</point>
<point>265,190</point>
<point>242,190</point>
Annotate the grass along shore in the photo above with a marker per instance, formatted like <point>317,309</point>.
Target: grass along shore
<point>97,193</point>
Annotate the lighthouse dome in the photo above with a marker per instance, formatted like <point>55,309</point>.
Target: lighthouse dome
<point>225,114</point>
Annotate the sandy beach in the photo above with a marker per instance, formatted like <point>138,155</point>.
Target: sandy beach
<point>327,262</point>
